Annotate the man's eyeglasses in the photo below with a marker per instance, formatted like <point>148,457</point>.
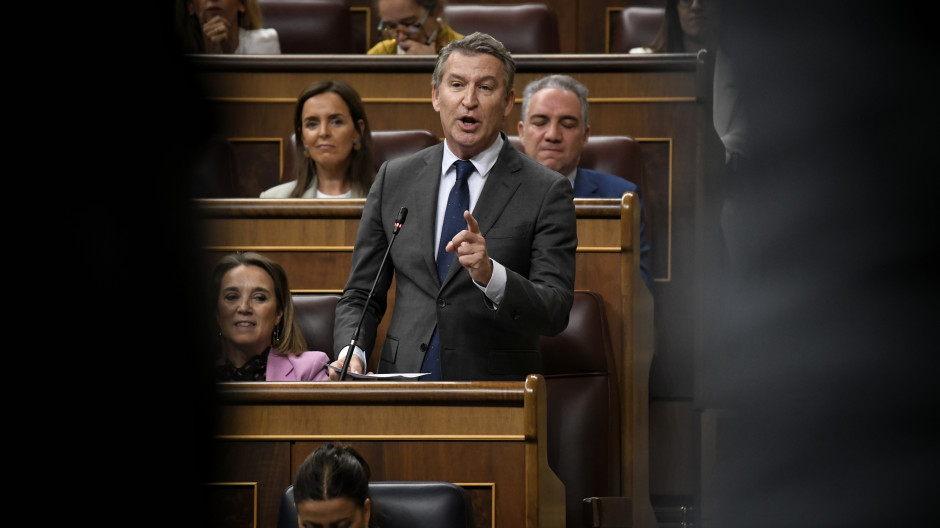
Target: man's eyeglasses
<point>391,30</point>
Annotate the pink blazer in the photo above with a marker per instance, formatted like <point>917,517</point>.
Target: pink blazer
<point>309,366</point>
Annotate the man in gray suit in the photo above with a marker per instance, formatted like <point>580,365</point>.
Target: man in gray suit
<point>507,275</point>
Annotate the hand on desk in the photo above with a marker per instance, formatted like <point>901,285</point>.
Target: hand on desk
<point>355,365</point>
<point>471,251</point>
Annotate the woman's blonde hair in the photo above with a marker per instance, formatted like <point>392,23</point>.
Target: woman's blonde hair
<point>251,17</point>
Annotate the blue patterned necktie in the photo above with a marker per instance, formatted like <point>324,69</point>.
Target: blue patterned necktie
<point>457,202</point>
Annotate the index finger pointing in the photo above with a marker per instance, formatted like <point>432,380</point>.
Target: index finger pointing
<point>472,225</point>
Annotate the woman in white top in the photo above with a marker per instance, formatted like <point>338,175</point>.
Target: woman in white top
<point>333,144</point>
<point>230,26</point>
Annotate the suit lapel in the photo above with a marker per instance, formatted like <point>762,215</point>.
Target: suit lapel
<point>428,181</point>
<point>583,186</point>
<point>278,368</point>
<point>504,180</point>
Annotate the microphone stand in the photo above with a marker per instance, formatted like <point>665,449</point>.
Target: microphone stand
<point>402,213</point>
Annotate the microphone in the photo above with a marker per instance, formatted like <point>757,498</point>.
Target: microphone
<point>399,221</point>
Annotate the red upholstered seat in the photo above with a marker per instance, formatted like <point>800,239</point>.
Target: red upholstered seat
<point>634,27</point>
<point>583,399</point>
<point>404,504</point>
<point>309,26</point>
<point>522,28</point>
<point>315,313</point>
<point>389,144</point>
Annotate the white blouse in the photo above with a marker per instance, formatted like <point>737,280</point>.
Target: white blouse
<point>262,41</point>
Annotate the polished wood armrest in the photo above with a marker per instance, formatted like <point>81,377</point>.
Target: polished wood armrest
<point>608,512</point>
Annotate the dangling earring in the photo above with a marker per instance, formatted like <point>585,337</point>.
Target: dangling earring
<point>357,145</point>
<point>306,152</point>
<point>276,336</point>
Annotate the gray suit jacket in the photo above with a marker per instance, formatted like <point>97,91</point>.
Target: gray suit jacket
<point>526,214</point>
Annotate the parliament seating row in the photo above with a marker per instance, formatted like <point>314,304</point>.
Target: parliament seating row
<point>236,169</point>
<point>242,172</point>
<point>325,26</point>
<point>386,145</point>
<point>651,98</point>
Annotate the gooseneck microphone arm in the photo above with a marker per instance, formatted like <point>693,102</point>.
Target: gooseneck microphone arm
<point>402,213</point>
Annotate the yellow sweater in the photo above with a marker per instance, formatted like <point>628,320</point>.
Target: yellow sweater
<point>390,46</point>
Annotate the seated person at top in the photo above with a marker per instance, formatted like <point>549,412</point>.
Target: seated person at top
<point>412,27</point>
<point>331,488</point>
<point>259,339</point>
<point>227,26</point>
<point>333,143</point>
<point>554,130</point>
<point>688,26</point>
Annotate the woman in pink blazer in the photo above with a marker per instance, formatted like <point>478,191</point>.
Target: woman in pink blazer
<point>258,335</point>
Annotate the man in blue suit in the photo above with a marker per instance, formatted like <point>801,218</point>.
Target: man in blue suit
<point>553,131</point>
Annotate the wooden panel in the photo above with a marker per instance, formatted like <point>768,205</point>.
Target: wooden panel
<point>486,436</point>
<point>263,465</point>
<point>232,505</point>
<point>259,163</point>
<point>673,445</point>
<point>361,20</point>
<point>657,200</point>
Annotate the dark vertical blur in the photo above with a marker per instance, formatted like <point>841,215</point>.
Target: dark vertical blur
<point>830,359</point>
<point>126,368</point>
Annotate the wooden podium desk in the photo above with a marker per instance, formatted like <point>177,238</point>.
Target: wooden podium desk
<point>488,437</point>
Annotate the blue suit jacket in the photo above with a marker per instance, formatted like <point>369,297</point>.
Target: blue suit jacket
<point>593,184</point>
